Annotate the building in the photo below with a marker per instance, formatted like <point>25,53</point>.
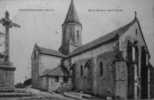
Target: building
<point>47,71</point>
<point>56,79</point>
<point>43,59</point>
<point>114,65</point>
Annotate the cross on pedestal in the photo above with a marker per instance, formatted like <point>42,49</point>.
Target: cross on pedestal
<point>7,23</point>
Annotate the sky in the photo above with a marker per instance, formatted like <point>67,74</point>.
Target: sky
<point>41,22</point>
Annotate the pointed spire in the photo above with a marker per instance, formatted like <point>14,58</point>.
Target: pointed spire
<point>72,14</point>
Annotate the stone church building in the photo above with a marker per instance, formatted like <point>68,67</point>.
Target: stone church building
<point>116,64</point>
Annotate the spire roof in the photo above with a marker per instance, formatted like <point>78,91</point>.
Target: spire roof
<point>72,14</point>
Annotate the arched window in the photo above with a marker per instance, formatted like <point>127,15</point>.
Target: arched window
<point>81,70</point>
<point>78,35</point>
<point>136,32</point>
<point>101,68</point>
<point>73,37</point>
<point>87,65</point>
<point>56,79</point>
<point>86,69</point>
<point>133,53</point>
<point>129,51</point>
<point>136,54</point>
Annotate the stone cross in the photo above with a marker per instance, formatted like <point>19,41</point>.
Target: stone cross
<point>7,23</point>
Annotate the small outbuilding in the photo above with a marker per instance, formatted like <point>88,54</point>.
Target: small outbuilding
<point>57,79</point>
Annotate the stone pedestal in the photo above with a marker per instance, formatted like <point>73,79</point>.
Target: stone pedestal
<point>7,89</point>
<point>6,77</point>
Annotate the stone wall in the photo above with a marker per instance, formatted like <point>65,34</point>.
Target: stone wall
<point>83,75</point>
<point>53,83</point>
<point>59,85</point>
<point>39,65</point>
<point>48,62</point>
<point>104,74</point>
<point>43,83</point>
<point>89,79</point>
<point>121,80</point>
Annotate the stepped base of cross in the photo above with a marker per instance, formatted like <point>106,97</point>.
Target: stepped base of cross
<point>6,77</point>
<point>7,88</point>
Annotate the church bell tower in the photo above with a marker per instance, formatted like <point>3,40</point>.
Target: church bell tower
<point>71,31</point>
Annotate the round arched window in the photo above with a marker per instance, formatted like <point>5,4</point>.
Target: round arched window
<point>101,68</point>
<point>81,70</point>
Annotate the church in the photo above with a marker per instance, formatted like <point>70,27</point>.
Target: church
<point>116,64</point>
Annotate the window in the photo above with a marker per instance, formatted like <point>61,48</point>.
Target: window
<point>56,79</point>
<point>136,59</point>
<point>73,37</point>
<point>78,36</point>
<point>137,54</point>
<point>81,70</point>
<point>133,53</point>
<point>87,65</point>
<point>129,51</point>
<point>101,68</point>
<point>65,79</point>
<point>136,32</point>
